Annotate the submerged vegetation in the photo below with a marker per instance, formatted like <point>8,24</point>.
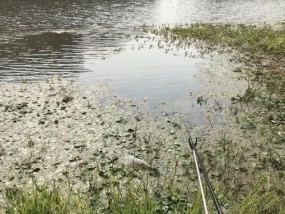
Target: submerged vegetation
<point>248,176</point>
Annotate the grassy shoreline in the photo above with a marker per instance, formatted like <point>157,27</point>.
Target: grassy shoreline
<point>261,50</point>
<point>261,109</point>
<point>248,176</point>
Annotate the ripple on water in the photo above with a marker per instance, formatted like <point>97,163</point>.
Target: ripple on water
<point>77,38</point>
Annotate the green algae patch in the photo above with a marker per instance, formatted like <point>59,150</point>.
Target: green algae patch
<point>251,39</point>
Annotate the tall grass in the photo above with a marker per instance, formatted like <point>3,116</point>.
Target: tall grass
<point>130,199</point>
<point>257,200</point>
<point>40,199</point>
<point>37,200</point>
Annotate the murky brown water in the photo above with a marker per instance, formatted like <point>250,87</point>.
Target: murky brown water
<point>79,39</point>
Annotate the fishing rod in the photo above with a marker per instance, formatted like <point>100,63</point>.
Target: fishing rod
<point>200,168</point>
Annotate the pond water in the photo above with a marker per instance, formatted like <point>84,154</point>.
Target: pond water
<point>94,41</point>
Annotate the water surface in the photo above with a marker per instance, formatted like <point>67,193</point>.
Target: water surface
<point>78,38</point>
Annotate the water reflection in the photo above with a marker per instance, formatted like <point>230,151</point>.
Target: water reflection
<point>40,55</point>
<point>157,74</point>
<point>167,11</point>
